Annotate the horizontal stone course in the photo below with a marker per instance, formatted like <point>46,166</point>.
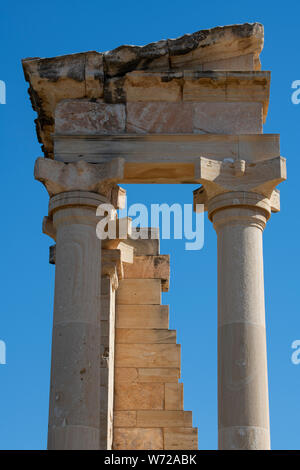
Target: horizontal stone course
<point>89,117</point>
<point>139,396</point>
<point>142,316</point>
<point>140,336</point>
<point>82,117</point>
<point>124,418</point>
<point>139,291</point>
<point>144,375</point>
<point>138,439</point>
<point>148,355</point>
<point>164,418</point>
<point>180,438</point>
<point>174,396</point>
<point>162,117</point>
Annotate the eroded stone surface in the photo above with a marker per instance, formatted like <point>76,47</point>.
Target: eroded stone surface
<point>161,118</point>
<point>227,118</point>
<point>95,75</point>
<point>59,177</point>
<point>89,117</point>
<point>138,439</point>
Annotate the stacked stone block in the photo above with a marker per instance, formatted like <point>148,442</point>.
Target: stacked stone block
<point>148,399</point>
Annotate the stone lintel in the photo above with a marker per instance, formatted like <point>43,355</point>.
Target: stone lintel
<point>165,158</point>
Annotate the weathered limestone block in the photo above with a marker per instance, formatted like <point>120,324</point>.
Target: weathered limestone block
<point>164,418</point>
<point>124,419</point>
<point>147,243</point>
<point>151,86</point>
<point>180,438</point>
<point>89,117</point>
<point>160,118</point>
<point>147,360</point>
<point>227,118</point>
<point>139,291</point>
<point>238,64</point>
<point>126,374</point>
<point>225,87</point>
<point>159,375</point>
<point>139,396</point>
<point>52,80</point>
<point>139,336</point>
<point>214,44</point>
<point>126,58</point>
<point>138,439</point>
<point>155,157</point>
<point>131,375</point>
<point>174,396</point>
<point>148,355</point>
<point>198,118</point>
<point>93,75</point>
<point>150,267</point>
<point>142,316</point>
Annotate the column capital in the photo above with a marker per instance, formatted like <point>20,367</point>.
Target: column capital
<point>100,178</point>
<point>239,176</point>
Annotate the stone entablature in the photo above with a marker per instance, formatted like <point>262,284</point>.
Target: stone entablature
<point>94,75</point>
<point>188,110</point>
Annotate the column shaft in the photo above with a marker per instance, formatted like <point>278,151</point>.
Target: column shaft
<point>242,357</point>
<point>74,414</point>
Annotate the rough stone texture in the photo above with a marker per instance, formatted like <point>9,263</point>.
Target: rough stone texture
<point>174,396</point>
<point>198,118</point>
<point>138,439</point>
<point>131,374</point>
<point>138,396</point>
<point>124,419</point>
<point>94,75</point>
<point>139,291</point>
<point>159,118</point>
<point>150,267</point>
<point>148,355</point>
<point>227,118</point>
<point>59,177</point>
<point>140,336</point>
<point>187,437</point>
<point>164,418</point>
<point>142,316</point>
<point>84,117</point>
<point>238,64</point>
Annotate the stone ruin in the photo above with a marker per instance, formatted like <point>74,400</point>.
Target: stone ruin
<point>185,110</point>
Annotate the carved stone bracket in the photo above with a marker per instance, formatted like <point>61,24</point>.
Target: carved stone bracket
<point>229,175</point>
<point>101,178</point>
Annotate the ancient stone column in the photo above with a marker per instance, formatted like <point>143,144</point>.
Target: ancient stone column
<point>239,219</point>
<point>74,414</point>
<point>76,190</point>
<point>239,198</point>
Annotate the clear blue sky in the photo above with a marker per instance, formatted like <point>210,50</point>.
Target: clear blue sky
<point>45,29</point>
